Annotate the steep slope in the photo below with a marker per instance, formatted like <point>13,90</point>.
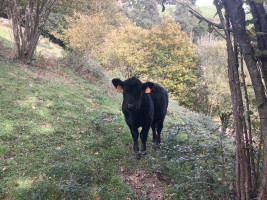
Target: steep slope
<point>64,137</point>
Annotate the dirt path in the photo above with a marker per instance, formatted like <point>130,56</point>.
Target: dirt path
<point>145,185</point>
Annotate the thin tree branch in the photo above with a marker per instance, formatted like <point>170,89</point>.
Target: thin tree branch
<point>199,16</point>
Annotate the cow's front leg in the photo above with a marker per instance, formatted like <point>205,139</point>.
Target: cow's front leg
<point>135,139</point>
<point>144,135</point>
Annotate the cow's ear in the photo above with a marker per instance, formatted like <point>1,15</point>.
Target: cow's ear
<point>118,83</point>
<point>147,87</point>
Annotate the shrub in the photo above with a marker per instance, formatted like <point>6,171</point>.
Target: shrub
<point>85,66</point>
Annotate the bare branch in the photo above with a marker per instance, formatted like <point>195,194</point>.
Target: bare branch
<point>200,17</point>
<point>163,6</point>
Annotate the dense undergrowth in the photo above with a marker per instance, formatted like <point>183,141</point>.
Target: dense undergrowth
<point>63,136</point>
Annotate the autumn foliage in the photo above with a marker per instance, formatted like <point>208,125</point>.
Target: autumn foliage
<point>163,54</point>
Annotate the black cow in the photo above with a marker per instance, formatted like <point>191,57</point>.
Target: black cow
<point>144,105</point>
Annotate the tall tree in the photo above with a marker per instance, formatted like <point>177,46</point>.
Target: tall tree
<point>171,60</point>
<point>260,23</point>
<point>28,21</point>
<point>236,23</point>
<point>237,17</point>
<point>242,180</point>
<point>164,54</point>
<point>87,31</point>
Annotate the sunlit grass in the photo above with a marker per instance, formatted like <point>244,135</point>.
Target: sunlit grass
<point>49,129</point>
<point>5,33</point>
<point>208,12</point>
<point>44,47</point>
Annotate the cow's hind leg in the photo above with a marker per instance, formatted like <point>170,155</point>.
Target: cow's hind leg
<point>159,129</point>
<point>144,135</point>
<point>135,139</point>
<point>154,133</point>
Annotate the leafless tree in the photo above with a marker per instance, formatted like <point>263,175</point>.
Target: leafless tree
<point>234,21</point>
<point>28,21</point>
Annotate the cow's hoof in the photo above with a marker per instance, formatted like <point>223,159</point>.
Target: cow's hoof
<point>156,146</point>
<point>143,153</point>
<point>137,155</point>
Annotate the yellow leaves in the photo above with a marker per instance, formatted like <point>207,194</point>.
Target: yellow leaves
<point>88,32</point>
<point>162,53</point>
<point>123,48</point>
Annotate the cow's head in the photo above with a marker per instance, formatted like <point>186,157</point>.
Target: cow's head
<point>133,89</point>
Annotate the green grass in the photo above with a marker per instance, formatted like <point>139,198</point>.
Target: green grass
<point>169,10</point>
<point>63,137</point>
<point>208,12</point>
<point>44,47</point>
<point>54,143</point>
<point>5,37</point>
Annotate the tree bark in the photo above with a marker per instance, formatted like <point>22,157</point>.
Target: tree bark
<point>242,187</point>
<point>249,143</point>
<point>237,17</point>
<point>260,24</point>
<point>28,25</point>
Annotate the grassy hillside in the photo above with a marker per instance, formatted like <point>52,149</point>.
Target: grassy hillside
<point>207,11</point>
<point>64,137</point>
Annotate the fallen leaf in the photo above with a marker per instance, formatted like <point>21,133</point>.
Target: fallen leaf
<point>33,179</point>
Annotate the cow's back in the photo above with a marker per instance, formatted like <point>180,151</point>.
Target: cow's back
<point>160,100</point>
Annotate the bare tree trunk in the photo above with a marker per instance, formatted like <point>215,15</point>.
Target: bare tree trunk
<point>260,24</point>
<point>28,25</point>
<point>246,142</point>
<point>225,117</point>
<point>242,187</point>
<point>237,17</point>
<point>249,143</point>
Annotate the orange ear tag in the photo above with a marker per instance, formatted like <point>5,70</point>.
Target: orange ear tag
<point>148,90</point>
<point>119,88</point>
